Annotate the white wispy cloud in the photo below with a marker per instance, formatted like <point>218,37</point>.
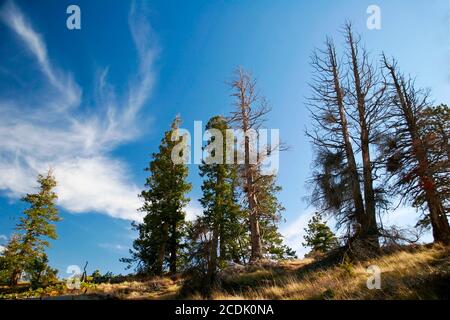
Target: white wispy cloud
<point>64,83</point>
<point>193,211</point>
<point>3,238</point>
<point>34,137</point>
<point>293,231</point>
<point>113,247</point>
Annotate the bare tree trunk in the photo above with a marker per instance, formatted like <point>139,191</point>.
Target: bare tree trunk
<point>212,263</point>
<point>369,227</point>
<point>222,246</point>
<point>162,248</point>
<point>248,117</point>
<point>438,218</point>
<point>255,236</point>
<point>84,275</point>
<point>173,251</point>
<point>356,191</point>
<point>15,277</point>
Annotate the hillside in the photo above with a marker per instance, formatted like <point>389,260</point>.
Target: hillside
<point>419,272</point>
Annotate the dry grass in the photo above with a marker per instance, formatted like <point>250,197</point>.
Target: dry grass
<point>421,273</point>
<point>156,288</point>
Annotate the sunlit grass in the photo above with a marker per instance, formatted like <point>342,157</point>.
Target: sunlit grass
<point>411,274</point>
<point>421,272</point>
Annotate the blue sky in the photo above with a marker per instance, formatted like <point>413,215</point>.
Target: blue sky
<point>94,103</point>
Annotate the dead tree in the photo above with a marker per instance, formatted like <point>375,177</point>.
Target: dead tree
<point>408,153</point>
<point>367,103</point>
<point>248,116</point>
<point>84,275</point>
<point>336,178</point>
<point>348,108</point>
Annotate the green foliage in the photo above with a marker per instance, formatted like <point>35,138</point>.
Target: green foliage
<point>50,290</point>
<point>319,236</point>
<point>160,234</point>
<point>39,273</point>
<point>222,213</point>
<point>97,277</point>
<point>88,286</point>
<point>347,266</point>
<point>327,295</point>
<point>270,211</point>
<point>25,252</point>
<point>217,236</point>
<point>10,259</point>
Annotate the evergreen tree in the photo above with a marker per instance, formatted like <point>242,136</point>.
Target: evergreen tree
<point>270,215</point>
<point>319,236</point>
<point>39,273</point>
<point>25,253</point>
<point>9,259</point>
<point>160,234</point>
<point>198,243</point>
<point>221,210</point>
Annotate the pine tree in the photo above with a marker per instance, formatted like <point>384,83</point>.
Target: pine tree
<point>221,210</point>
<point>25,253</point>
<point>10,259</point>
<point>319,236</point>
<point>160,234</point>
<point>39,273</point>
<point>270,215</point>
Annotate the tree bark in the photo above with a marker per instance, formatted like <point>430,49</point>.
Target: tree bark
<point>173,251</point>
<point>369,227</point>
<point>15,276</point>
<point>246,96</point>
<point>351,162</point>
<point>162,248</point>
<point>255,235</point>
<point>438,217</point>
<point>212,263</point>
